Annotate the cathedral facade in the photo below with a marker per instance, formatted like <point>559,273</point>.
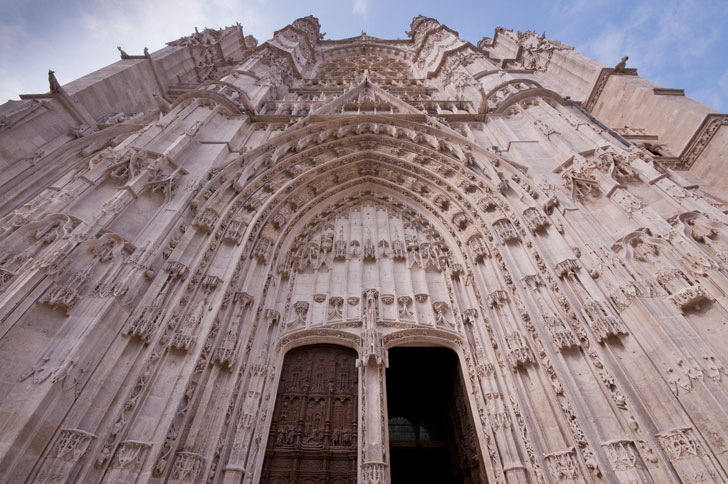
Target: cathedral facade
<point>363,261</point>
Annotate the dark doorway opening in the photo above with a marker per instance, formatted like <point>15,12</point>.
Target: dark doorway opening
<point>431,433</point>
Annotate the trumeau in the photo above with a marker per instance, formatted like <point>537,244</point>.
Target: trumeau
<point>176,223</point>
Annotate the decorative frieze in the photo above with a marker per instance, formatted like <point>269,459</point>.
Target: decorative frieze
<point>336,304</point>
<point>680,443</point>
<point>690,297</point>
<point>144,325</point>
<point>563,466</point>
<point>131,455</point>
<point>300,308</point>
<point>535,220</point>
<point>506,231</point>
<point>562,336</point>
<point>602,323</point>
<point>375,473</point>
<point>519,354</point>
<point>186,468</point>
<point>405,304</point>
<point>622,454</point>
<point>72,444</point>
<point>701,139</point>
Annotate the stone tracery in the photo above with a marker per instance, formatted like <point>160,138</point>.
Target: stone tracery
<point>367,194</point>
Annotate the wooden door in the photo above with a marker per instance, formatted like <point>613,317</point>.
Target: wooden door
<point>313,435</point>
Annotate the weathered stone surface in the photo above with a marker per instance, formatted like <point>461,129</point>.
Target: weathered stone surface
<point>159,256</point>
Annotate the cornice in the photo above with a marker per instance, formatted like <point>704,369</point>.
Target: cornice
<point>431,32</point>
<point>700,140</point>
<point>601,82</point>
<point>300,32</point>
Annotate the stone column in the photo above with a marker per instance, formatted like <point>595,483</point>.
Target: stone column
<point>374,467</point>
<point>235,469</point>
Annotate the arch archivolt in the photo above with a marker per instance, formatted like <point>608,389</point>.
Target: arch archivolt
<point>511,92</point>
<point>475,210</point>
<point>297,169</point>
<point>425,184</point>
<point>305,337</point>
<point>285,203</point>
<point>309,134</point>
<point>463,205</point>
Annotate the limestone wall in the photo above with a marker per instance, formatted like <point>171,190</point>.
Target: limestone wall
<point>154,274</point>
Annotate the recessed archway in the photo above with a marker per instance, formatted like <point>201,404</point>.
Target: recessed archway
<point>431,432</point>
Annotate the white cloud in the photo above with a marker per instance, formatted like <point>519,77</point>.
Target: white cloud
<point>656,36</point>
<point>10,34</point>
<point>669,42</point>
<point>577,7</point>
<point>714,96</point>
<point>360,7</point>
<point>608,47</point>
<point>88,42</point>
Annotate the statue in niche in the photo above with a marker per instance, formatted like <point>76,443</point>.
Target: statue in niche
<point>355,250</point>
<point>398,249</point>
<point>370,305</point>
<point>327,240</point>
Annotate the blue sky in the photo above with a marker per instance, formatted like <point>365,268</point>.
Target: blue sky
<point>676,43</point>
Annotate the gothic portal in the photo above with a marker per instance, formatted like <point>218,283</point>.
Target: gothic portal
<point>323,260</point>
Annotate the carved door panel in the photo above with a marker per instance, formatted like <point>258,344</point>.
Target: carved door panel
<point>313,433</point>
